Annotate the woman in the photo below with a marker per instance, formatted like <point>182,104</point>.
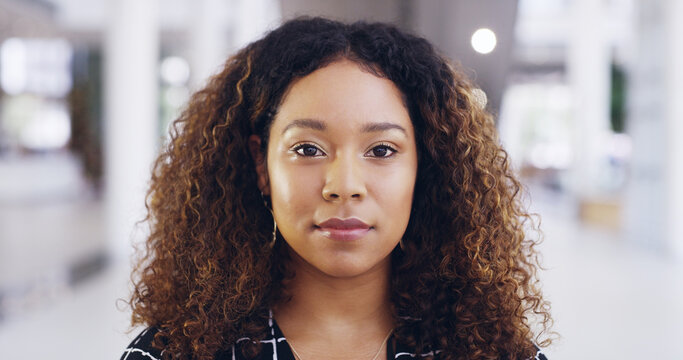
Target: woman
<point>336,192</point>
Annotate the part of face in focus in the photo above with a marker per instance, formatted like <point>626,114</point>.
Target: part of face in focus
<point>342,146</point>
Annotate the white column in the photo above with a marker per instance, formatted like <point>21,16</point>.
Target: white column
<point>588,72</point>
<point>131,120</point>
<point>208,40</point>
<point>674,123</point>
<point>654,215</point>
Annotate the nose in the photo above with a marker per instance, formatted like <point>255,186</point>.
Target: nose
<point>344,180</point>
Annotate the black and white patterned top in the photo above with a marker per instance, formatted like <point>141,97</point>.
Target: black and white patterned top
<point>274,347</point>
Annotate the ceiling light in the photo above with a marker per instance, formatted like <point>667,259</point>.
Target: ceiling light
<point>483,41</point>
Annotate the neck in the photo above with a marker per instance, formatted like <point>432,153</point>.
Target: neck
<point>325,308</point>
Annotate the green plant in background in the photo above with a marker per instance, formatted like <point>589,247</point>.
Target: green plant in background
<point>618,99</point>
<point>85,105</point>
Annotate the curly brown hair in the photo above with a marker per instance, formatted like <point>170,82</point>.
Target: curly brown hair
<point>465,281</point>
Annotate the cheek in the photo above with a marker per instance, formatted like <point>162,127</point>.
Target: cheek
<point>293,189</point>
<point>395,192</point>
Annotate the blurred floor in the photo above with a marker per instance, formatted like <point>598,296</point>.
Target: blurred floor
<point>83,323</point>
<point>49,217</point>
<point>53,292</point>
<point>611,300</point>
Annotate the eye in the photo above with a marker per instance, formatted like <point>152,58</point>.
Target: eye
<point>381,151</point>
<point>308,150</point>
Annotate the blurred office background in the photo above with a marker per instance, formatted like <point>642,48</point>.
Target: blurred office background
<point>589,102</point>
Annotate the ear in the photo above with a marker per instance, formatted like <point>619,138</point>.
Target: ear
<point>259,163</point>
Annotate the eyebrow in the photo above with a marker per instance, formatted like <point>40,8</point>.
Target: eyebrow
<point>320,126</point>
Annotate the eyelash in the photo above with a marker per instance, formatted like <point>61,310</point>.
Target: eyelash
<point>300,147</point>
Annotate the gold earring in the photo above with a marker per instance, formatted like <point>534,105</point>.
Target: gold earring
<point>265,203</point>
<point>401,245</point>
<point>272,242</point>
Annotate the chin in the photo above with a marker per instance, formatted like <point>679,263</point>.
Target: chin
<point>349,269</point>
<point>344,272</point>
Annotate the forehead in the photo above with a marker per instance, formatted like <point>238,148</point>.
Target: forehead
<point>343,91</point>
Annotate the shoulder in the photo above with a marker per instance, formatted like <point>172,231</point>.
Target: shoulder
<point>141,347</point>
<point>539,355</point>
<point>399,351</point>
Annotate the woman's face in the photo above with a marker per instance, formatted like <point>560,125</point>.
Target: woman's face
<point>341,168</point>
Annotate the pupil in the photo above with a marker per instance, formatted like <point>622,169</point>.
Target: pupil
<point>309,150</point>
<point>380,151</point>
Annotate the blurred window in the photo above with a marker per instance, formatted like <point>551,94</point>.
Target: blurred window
<point>38,66</point>
<point>36,76</point>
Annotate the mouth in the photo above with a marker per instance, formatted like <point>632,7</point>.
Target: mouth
<point>343,230</point>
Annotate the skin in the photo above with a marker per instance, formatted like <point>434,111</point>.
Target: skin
<point>342,145</point>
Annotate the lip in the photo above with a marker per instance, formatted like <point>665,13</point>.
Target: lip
<point>343,230</point>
